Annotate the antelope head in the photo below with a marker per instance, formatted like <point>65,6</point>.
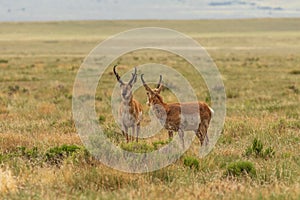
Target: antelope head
<point>126,88</point>
<point>153,94</point>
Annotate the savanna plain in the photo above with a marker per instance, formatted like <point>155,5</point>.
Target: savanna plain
<point>256,157</point>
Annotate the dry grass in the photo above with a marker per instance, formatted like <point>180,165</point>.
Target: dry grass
<point>259,61</point>
<point>8,182</point>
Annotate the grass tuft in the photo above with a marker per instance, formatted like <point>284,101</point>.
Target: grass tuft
<point>55,155</point>
<point>3,61</point>
<point>191,162</point>
<point>257,149</point>
<point>140,147</point>
<point>240,168</point>
<point>295,72</point>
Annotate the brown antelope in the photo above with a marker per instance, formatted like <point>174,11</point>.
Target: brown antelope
<point>130,112</point>
<point>175,116</point>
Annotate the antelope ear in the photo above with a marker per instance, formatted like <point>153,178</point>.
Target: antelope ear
<point>159,89</point>
<point>147,88</point>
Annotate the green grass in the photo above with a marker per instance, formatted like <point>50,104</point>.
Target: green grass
<point>240,168</point>
<point>258,150</point>
<point>42,157</point>
<point>191,162</point>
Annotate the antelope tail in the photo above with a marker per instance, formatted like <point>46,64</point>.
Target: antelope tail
<point>211,110</point>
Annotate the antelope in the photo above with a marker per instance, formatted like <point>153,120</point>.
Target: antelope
<point>170,114</point>
<point>130,111</point>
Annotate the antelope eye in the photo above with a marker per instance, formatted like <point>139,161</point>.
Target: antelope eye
<point>147,93</point>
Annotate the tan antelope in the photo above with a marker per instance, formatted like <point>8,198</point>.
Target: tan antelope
<point>180,117</point>
<point>130,112</point>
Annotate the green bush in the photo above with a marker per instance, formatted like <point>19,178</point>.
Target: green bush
<point>295,72</point>
<point>3,61</point>
<point>191,162</point>
<point>240,168</point>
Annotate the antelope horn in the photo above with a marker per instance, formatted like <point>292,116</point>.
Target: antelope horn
<point>133,79</point>
<point>145,85</point>
<point>159,83</point>
<point>117,75</point>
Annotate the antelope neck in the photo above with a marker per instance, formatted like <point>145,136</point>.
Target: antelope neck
<point>127,102</point>
<point>163,104</point>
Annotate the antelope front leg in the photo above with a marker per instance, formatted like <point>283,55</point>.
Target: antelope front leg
<point>181,135</point>
<point>133,132</point>
<point>138,127</point>
<point>206,140</point>
<point>170,134</point>
<point>125,132</point>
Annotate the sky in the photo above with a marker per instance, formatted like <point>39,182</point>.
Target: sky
<point>56,10</point>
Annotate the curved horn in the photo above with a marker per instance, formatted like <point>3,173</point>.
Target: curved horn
<point>133,79</point>
<point>145,85</point>
<point>117,75</point>
<point>159,82</point>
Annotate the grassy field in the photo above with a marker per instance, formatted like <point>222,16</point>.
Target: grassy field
<point>256,157</point>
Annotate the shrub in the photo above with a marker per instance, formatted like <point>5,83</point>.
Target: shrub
<point>240,168</point>
<point>295,72</point>
<point>191,162</point>
<point>3,61</point>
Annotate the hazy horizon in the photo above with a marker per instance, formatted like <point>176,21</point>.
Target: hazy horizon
<point>55,10</point>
